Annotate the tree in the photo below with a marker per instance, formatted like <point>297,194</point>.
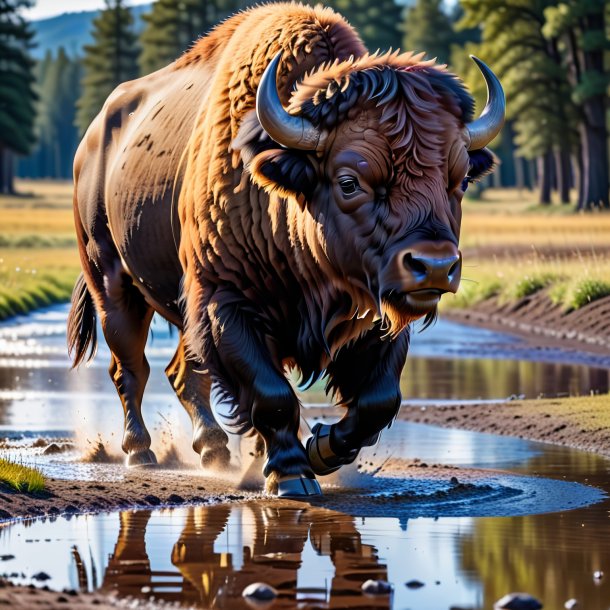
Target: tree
<point>535,82</point>
<point>109,61</point>
<point>378,23</point>
<point>429,29</point>
<point>58,81</point>
<point>580,28</point>
<point>17,95</point>
<point>171,27</point>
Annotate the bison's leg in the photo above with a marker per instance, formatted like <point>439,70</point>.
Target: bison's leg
<point>125,318</point>
<point>366,377</point>
<point>193,391</point>
<point>259,384</point>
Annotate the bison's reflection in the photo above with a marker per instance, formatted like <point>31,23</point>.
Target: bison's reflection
<point>271,540</point>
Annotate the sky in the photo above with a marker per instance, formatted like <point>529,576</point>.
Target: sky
<point>50,8</point>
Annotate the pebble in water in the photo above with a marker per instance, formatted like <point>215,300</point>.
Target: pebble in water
<point>571,603</point>
<point>518,601</point>
<point>598,575</point>
<point>41,576</point>
<point>376,587</point>
<point>414,584</point>
<point>260,592</point>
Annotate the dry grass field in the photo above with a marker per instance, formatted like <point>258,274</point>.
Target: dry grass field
<point>512,248</point>
<point>38,257</point>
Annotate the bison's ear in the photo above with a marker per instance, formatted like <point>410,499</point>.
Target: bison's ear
<point>286,172</point>
<point>482,162</point>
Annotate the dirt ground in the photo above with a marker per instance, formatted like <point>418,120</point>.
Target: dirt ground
<point>580,422</point>
<point>544,324</point>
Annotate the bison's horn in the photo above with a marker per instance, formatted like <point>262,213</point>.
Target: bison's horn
<point>286,129</point>
<point>484,129</point>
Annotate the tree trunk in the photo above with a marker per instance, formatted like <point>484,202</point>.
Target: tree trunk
<point>545,165</point>
<point>563,172</point>
<point>593,134</point>
<point>6,172</point>
<point>519,174</point>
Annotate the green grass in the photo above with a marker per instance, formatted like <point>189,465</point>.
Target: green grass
<point>21,478</point>
<point>571,281</point>
<point>38,255</point>
<point>34,278</point>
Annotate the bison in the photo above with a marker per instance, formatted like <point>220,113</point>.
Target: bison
<point>287,201</point>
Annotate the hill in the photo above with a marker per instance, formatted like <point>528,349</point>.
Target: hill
<point>72,31</point>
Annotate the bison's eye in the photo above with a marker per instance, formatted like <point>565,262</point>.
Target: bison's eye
<point>349,185</point>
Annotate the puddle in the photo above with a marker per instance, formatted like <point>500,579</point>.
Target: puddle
<point>542,528</point>
<point>392,528</point>
<point>39,394</point>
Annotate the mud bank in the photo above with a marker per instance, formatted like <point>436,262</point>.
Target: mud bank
<point>544,324</point>
<point>33,597</point>
<point>580,422</point>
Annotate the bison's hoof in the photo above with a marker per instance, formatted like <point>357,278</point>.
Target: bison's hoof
<point>139,459</point>
<point>322,459</point>
<point>218,457</point>
<point>294,486</point>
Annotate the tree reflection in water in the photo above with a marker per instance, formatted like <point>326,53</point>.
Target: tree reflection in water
<point>273,539</point>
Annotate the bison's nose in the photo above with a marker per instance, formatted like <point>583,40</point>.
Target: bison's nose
<point>431,265</point>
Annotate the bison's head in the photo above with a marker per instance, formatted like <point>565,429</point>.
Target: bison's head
<point>378,151</point>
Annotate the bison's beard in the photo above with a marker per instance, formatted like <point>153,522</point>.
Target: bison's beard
<point>398,313</point>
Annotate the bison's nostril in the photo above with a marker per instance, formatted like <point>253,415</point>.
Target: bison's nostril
<point>414,264</point>
<point>454,268</point>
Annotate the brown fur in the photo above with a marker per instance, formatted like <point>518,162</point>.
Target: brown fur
<point>184,206</point>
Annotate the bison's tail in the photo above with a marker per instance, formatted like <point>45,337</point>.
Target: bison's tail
<point>82,328</point>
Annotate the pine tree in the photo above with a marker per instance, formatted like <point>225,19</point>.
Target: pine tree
<point>109,61</point>
<point>535,82</point>
<point>579,26</point>
<point>171,28</point>
<point>17,95</point>
<point>378,23</point>
<point>429,29</point>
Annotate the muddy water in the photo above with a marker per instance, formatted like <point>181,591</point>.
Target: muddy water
<point>318,555</point>
<point>466,549</point>
<point>447,362</point>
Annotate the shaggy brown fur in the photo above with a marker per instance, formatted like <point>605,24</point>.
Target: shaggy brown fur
<point>185,206</point>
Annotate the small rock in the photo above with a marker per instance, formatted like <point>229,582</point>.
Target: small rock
<point>5,514</point>
<point>52,449</point>
<point>598,575</point>
<point>571,603</point>
<point>414,584</point>
<point>62,599</point>
<point>145,590</point>
<point>518,601</point>
<point>41,576</point>
<point>376,587</point>
<point>6,557</point>
<point>176,499</point>
<point>259,591</point>
<point>454,481</point>
<point>152,500</point>
<point>39,442</point>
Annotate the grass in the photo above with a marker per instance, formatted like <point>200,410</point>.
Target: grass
<point>38,257</point>
<point>512,249</point>
<point>572,281</point>
<point>21,478</point>
<point>507,218</point>
<point>34,278</point>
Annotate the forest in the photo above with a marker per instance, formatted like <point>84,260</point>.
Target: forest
<point>553,58</point>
